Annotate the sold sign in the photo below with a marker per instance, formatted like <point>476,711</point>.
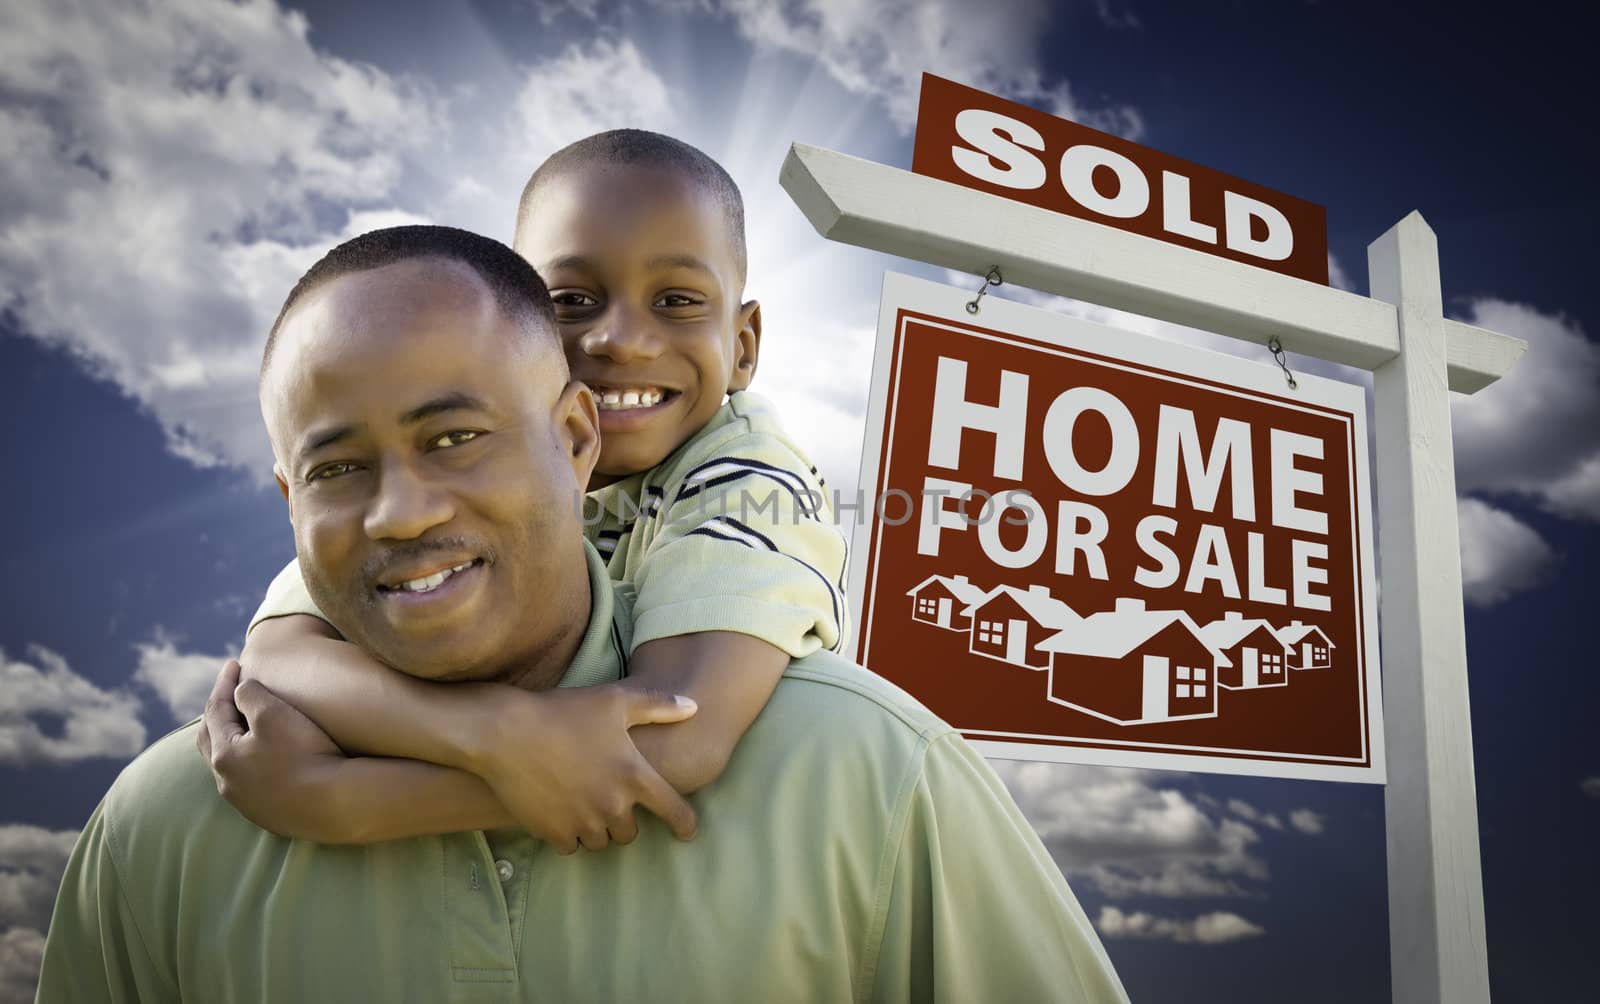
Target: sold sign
<point>980,141</point>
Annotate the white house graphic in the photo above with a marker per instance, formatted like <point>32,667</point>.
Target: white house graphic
<point>940,600</point>
<point>1309,647</point>
<point>1252,646</point>
<point>1010,623</point>
<point>1132,666</point>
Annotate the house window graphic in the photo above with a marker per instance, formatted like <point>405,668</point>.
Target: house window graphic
<point>991,633</point>
<point>1319,653</point>
<point>925,605</point>
<point>1189,682</point>
<point>1271,663</point>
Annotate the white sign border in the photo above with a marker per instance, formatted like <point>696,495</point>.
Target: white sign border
<point>904,292</point>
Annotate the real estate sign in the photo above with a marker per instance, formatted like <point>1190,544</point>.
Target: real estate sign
<point>1095,546</point>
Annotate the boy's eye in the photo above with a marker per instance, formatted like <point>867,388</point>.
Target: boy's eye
<point>454,438</point>
<point>573,298</point>
<point>333,470</point>
<point>677,300</point>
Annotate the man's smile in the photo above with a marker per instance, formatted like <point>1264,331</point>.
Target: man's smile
<point>426,582</point>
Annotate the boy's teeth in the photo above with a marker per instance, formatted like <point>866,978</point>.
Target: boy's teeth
<point>619,400</point>
<point>431,582</point>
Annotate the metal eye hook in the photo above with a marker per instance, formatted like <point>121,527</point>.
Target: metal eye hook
<point>991,279</point>
<point>1276,348</point>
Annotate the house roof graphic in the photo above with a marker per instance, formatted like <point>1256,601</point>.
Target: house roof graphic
<point>1036,601</point>
<point>1296,631</point>
<point>1112,634</point>
<point>1232,629</point>
<point>959,586</point>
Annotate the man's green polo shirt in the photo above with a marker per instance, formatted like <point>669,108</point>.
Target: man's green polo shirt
<point>856,849</point>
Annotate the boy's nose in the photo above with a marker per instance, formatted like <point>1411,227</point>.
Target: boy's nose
<point>621,337</point>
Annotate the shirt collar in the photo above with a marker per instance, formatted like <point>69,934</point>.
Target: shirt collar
<point>602,655</point>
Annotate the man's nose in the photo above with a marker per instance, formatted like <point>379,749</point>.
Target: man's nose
<point>622,335</point>
<point>407,505</point>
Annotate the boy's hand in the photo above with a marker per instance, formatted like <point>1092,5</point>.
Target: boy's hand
<point>271,762</point>
<point>563,764</point>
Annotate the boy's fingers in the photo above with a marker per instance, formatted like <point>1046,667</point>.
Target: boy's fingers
<point>256,702</point>
<point>654,707</point>
<point>662,799</point>
<point>624,830</point>
<point>202,740</point>
<point>221,718</point>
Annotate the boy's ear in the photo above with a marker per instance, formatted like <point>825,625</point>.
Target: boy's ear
<point>746,346</point>
<point>577,423</point>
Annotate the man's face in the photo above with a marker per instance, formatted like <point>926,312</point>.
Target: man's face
<point>641,265</point>
<point>431,456</point>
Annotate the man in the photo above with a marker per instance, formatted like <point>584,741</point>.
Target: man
<point>855,849</point>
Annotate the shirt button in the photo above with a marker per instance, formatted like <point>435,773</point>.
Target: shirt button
<point>504,869</point>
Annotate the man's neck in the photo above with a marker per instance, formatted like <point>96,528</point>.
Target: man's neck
<point>546,667</point>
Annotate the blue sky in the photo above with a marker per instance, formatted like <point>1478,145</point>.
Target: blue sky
<point>169,172</point>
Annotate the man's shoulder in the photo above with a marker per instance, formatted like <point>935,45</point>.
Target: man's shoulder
<point>166,791</point>
<point>830,696</point>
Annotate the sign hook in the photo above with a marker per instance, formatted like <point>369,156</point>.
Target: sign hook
<point>1276,348</point>
<point>991,279</point>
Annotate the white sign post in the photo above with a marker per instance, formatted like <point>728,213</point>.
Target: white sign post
<point>1437,947</point>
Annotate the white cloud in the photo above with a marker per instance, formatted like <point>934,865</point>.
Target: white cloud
<point>1500,555</point>
<point>1306,821</point>
<point>1216,928</point>
<point>170,169</point>
<point>1128,836</point>
<point>1338,278</point>
<point>21,951</point>
<point>882,49</point>
<point>1244,810</point>
<point>182,679</point>
<point>587,89</point>
<point>32,861</point>
<point>1590,786</point>
<point>49,714</point>
<point>1535,432</point>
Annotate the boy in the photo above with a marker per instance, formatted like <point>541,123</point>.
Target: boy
<point>705,506</point>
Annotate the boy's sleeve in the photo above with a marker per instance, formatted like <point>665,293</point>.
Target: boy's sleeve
<point>975,909</point>
<point>746,542</point>
<point>95,949</point>
<point>285,596</point>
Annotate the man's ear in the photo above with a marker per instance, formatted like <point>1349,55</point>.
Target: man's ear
<point>283,488</point>
<point>577,424</point>
<point>746,346</point>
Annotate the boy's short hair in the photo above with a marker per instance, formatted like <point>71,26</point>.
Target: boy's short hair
<point>647,149</point>
<point>518,290</point>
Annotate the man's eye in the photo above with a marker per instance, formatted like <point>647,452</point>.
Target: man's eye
<point>455,438</point>
<point>334,470</point>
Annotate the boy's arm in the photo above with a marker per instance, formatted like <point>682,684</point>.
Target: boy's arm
<point>286,775</point>
<point>743,571</point>
<point>562,762</point>
<point>730,676</point>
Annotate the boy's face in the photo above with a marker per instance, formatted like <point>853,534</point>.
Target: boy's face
<point>642,269</point>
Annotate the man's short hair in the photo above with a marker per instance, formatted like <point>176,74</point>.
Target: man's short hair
<point>641,148</point>
<point>518,291</point>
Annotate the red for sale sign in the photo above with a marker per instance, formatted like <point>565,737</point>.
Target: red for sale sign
<point>1089,545</point>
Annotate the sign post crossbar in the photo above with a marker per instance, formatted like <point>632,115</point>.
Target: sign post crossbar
<point>1437,942</point>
